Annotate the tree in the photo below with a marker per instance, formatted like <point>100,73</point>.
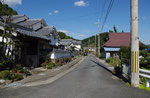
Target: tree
<point>115,30</point>
<point>5,17</point>
<point>111,31</point>
<point>143,46</point>
<point>64,36</point>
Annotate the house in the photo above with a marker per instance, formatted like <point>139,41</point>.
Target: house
<point>71,45</point>
<point>77,45</point>
<point>116,40</point>
<point>36,37</point>
<point>66,44</point>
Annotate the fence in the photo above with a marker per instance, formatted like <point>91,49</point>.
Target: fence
<point>146,74</point>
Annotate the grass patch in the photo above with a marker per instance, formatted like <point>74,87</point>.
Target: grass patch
<point>128,84</point>
<point>144,87</point>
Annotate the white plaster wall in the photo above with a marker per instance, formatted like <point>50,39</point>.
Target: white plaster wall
<point>37,26</point>
<point>78,46</point>
<point>57,55</point>
<point>53,41</point>
<point>107,55</point>
<point>1,39</point>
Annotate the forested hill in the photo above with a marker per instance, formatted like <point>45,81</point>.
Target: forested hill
<point>90,41</point>
<point>64,36</point>
<point>6,10</point>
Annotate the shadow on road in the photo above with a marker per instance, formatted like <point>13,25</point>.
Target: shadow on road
<point>119,76</point>
<point>102,66</point>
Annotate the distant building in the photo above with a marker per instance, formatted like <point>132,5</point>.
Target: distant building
<point>71,45</point>
<point>116,40</point>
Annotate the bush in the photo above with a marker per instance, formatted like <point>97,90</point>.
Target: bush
<point>143,53</point>
<point>18,77</point>
<point>44,65</point>
<point>6,65</point>
<point>6,74</point>
<point>114,62</point>
<point>50,65</point>
<point>143,79</point>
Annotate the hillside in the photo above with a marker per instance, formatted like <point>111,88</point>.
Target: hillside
<point>64,36</point>
<point>6,10</point>
<point>90,41</point>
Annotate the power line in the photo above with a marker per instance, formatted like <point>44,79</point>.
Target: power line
<point>102,10</point>
<point>78,17</point>
<point>107,13</point>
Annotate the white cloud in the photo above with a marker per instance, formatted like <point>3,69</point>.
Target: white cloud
<point>13,2</point>
<point>50,14</point>
<point>64,31</point>
<point>56,11</point>
<point>80,3</point>
<point>81,35</point>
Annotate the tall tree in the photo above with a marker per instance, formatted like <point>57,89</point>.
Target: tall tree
<point>115,29</point>
<point>7,38</point>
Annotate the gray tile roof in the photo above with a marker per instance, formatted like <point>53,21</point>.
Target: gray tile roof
<point>17,16</point>
<point>46,30</point>
<point>30,22</point>
<point>61,51</point>
<point>77,42</point>
<point>30,32</point>
<point>14,16</point>
<point>66,42</point>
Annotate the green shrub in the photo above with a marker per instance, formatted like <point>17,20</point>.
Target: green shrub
<point>6,74</point>
<point>144,87</point>
<point>44,65</point>
<point>18,77</point>
<point>50,65</point>
<point>143,79</point>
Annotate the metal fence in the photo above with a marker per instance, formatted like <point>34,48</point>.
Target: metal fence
<point>146,74</point>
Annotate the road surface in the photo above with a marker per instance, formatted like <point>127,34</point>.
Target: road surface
<point>88,80</point>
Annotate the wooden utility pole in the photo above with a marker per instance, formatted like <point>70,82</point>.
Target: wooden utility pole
<point>95,45</point>
<point>98,37</point>
<point>134,44</point>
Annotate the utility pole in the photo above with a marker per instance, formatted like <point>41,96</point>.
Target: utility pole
<point>134,44</point>
<point>98,37</point>
<point>88,45</point>
<point>95,44</point>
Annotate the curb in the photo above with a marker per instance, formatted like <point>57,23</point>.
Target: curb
<point>48,76</point>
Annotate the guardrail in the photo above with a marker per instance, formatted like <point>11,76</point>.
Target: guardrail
<point>146,74</point>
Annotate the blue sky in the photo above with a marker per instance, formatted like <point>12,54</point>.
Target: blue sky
<point>78,18</point>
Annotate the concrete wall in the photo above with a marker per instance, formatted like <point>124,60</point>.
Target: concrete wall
<point>57,55</point>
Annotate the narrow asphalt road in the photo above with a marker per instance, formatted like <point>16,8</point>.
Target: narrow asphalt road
<point>89,80</point>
